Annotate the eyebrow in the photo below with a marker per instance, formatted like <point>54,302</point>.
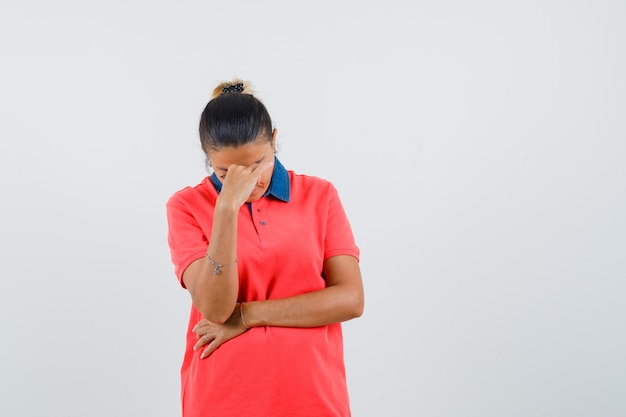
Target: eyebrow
<point>255,162</point>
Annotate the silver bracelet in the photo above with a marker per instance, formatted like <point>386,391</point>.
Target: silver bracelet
<point>242,319</point>
<point>217,268</point>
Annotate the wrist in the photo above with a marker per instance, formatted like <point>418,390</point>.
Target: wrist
<point>242,316</point>
<point>227,208</point>
<point>251,316</point>
<point>226,205</point>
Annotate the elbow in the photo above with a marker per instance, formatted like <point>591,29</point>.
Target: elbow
<point>356,306</point>
<point>215,317</point>
<point>214,314</point>
<point>358,310</point>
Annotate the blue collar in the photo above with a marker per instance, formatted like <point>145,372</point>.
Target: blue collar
<point>279,185</point>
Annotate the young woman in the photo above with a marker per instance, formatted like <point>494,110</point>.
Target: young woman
<point>270,261</point>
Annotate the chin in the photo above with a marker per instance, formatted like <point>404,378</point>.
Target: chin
<point>254,198</point>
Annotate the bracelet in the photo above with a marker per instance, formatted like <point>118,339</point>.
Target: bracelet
<point>241,314</point>
<point>217,267</point>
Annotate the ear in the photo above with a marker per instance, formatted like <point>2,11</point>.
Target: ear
<point>274,136</point>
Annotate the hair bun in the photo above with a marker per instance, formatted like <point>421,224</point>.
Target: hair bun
<point>234,86</point>
<point>238,88</point>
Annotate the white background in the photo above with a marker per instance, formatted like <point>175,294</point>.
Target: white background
<point>478,148</point>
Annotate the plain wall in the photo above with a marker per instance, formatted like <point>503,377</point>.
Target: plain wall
<point>478,148</point>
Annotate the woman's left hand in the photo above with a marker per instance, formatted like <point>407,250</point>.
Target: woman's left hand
<point>212,335</point>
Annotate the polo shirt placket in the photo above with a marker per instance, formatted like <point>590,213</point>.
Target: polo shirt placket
<point>260,218</point>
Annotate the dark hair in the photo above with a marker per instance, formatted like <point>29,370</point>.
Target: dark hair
<point>233,117</point>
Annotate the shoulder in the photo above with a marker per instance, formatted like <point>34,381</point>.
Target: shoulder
<point>192,194</point>
<point>308,189</point>
<point>309,182</point>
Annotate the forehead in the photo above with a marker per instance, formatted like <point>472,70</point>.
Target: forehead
<point>241,155</point>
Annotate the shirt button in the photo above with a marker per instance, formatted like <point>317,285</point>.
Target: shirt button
<point>262,222</point>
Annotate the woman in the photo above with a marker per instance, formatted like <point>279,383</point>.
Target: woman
<point>270,261</point>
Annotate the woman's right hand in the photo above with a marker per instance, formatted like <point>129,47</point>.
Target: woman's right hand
<point>240,181</point>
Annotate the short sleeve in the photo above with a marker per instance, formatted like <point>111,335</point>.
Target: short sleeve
<point>186,238</point>
<point>339,239</point>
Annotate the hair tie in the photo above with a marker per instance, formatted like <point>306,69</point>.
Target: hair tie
<point>234,88</point>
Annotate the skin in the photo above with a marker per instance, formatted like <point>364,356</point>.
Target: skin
<point>245,173</point>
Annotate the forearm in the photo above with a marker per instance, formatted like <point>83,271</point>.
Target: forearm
<point>319,308</point>
<point>216,287</point>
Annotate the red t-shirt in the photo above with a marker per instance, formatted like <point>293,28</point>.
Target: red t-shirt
<point>281,247</point>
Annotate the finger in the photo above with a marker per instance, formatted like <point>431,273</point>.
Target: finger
<point>210,348</point>
<point>201,331</point>
<point>261,168</point>
<point>203,327</point>
<point>205,339</point>
<point>200,323</point>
